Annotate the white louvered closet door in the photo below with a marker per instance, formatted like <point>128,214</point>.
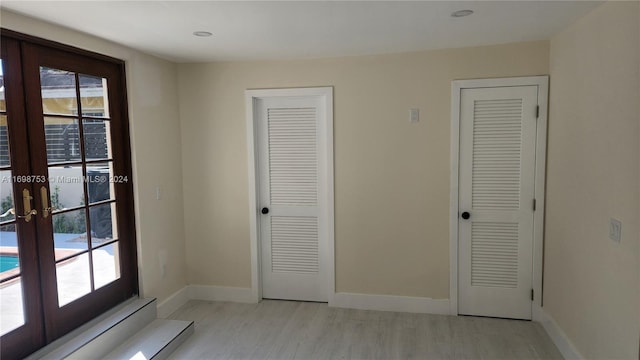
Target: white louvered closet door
<point>496,188</point>
<point>293,238</point>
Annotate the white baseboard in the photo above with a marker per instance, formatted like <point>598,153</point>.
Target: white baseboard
<point>172,303</point>
<point>203,292</point>
<point>220,293</point>
<point>344,300</point>
<point>391,303</point>
<point>557,335</point>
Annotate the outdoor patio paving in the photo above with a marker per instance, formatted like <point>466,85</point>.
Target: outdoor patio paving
<point>73,277</point>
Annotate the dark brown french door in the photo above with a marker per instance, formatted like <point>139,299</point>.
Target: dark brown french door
<point>67,233</point>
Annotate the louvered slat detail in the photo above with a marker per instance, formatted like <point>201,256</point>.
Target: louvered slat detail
<point>494,254</point>
<point>497,141</point>
<point>293,156</point>
<point>294,244</point>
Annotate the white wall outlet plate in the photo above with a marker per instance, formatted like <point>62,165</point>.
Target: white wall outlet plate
<point>615,230</point>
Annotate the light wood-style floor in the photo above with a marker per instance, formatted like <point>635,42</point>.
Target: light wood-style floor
<point>301,330</point>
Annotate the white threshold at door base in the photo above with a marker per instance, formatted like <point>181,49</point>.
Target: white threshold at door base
<point>156,341</point>
<point>557,335</point>
<point>102,334</point>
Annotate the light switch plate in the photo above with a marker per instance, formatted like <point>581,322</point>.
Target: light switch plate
<point>414,116</point>
<point>615,230</point>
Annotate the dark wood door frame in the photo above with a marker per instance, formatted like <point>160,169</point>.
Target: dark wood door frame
<point>24,55</point>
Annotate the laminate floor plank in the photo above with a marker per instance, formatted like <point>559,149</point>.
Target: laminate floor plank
<point>275,329</point>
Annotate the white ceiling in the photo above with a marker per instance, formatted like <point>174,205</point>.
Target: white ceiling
<point>304,29</point>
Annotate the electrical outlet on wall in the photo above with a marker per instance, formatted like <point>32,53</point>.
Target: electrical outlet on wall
<point>615,230</point>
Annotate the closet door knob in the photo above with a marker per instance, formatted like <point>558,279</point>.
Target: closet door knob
<point>265,210</point>
<point>465,215</point>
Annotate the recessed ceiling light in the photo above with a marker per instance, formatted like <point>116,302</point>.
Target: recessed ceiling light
<point>202,33</point>
<point>461,13</point>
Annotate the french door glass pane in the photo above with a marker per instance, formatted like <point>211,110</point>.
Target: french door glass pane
<point>73,278</point>
<point>69,233</point>
<point>4,138</point>
<point>3,105</point>
<point>7,207</point>
<point>58,89</point>
<point>103,223</point>
<point>106,264</point>
<point>11,292</point>
<point>66,187</point>
<point>93,96</point>
<point>9,262</point>
<point>97,139</point>
<point>100,182</point>
<point>63,140</point>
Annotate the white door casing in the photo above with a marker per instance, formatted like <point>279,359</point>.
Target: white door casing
<point>293,163</point>
<point>498,170</point>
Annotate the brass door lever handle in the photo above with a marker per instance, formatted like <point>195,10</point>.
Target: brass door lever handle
<point>44,195</point>
<point>27,216</point>
<point>26,202</point>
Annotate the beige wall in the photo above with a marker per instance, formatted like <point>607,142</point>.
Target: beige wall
<point>391,177</point>
<point>592,284</point>
<point>155,139</point>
